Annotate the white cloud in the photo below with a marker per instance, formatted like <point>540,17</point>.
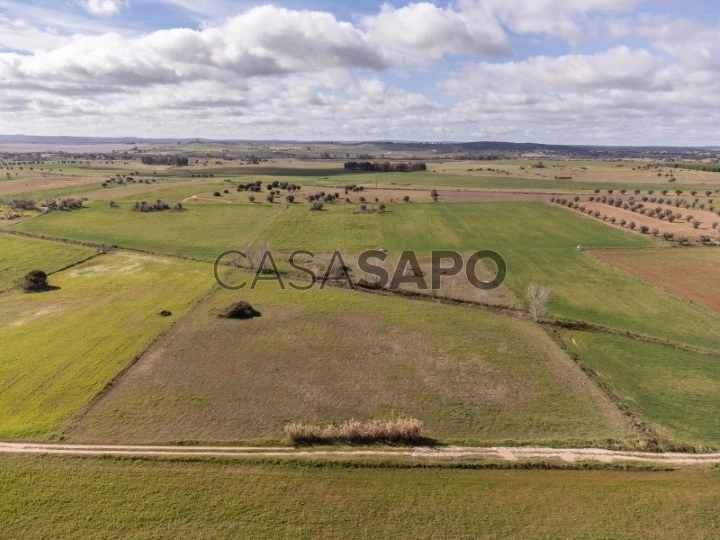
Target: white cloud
<point>271,72</point>
<point>104,8</point>
<point>263,41</point>
<point>427,32</point>
<point>567,19</point>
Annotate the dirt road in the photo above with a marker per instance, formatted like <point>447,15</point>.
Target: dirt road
<point>512,454</point>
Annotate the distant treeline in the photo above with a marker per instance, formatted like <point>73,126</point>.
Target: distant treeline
<point>180,161</point>
<point>386,166</point>
<point>707,167</point>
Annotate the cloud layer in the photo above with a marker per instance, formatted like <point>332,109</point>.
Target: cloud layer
<point>587,71</point>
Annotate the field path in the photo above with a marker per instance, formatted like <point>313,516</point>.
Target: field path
<point>514,454</point>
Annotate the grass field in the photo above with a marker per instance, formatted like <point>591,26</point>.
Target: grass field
<point>48,497</point>
<point>690,273</point>
<point>333,354</point>
<point>201,231</point>
<point>677,392</point>
<point>19,255</point>
<point>60,347</point>
<point>337,227</point>
<point>538,241</point>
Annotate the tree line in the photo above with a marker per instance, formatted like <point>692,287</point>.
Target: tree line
<point>179,161</point>
<point>386,166</point>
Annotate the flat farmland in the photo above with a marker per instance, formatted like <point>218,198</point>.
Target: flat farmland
<point>538,241</point>
<point>331,355</point>
<point>48,496</point>
<point>582,171</point>
<point>676,392</point>
<point>540,244</point>
<point>202,231</point>
<point>689,273</point>
<point>169,191</point>
<point>336,227</point>
<point>60,347</point>
<point>47,183</point>
<point>19,255</point>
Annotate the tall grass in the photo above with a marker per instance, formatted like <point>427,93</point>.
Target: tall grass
<point>396,430</point>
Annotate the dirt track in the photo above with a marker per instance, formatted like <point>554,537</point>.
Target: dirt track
<point>511,454</point>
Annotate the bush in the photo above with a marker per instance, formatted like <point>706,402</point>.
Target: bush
<point>397,430</point>
<point>34,281</point>
<point>239,310</point>
<point>316,206</point>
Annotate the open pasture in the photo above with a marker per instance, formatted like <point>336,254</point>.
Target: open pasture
<point>583,171</point>
<point>19,255</point>
<point>676,392</point>
<point>48,496</point>
<point>540,244</point>
<point>330,355</point>
<point>60,347</point>
<point>203,231</point>
<point>538,241</point>
<point>689,273</point>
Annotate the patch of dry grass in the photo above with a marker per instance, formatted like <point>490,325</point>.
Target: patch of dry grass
<point>396,430</point>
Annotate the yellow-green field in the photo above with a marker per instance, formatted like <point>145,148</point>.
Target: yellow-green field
<point>60,347</point>
<point>87,498</point>
<point>19,255</point>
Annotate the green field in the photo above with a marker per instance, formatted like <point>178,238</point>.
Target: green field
<point>539,243</point>
<point>677,392</point>
<point>88,498</point>
<point>19,255</point>
<point>60,347</point>
<point>201,231</point>
<point>331,355</point>
<point>336,227</point>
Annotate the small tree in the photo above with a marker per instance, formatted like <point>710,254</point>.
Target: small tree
<point>406,198</point>
<point>34,281</point>
<point>539,297</point>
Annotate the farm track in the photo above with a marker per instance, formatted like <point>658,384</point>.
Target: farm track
<point>449,453</point>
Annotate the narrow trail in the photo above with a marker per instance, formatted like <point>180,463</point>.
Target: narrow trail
<point>449,453</point>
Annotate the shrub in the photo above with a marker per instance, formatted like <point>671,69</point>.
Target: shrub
<point>34,281</point>
<point>539,297</point>
<point>406,198</point>
<point>316,206</point>
<point>397,430</point>
<point>239,310</point>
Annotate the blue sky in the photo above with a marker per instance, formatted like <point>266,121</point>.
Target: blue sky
<point>552,71</point>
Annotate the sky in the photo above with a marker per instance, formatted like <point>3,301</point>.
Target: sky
<point>606,72</point>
